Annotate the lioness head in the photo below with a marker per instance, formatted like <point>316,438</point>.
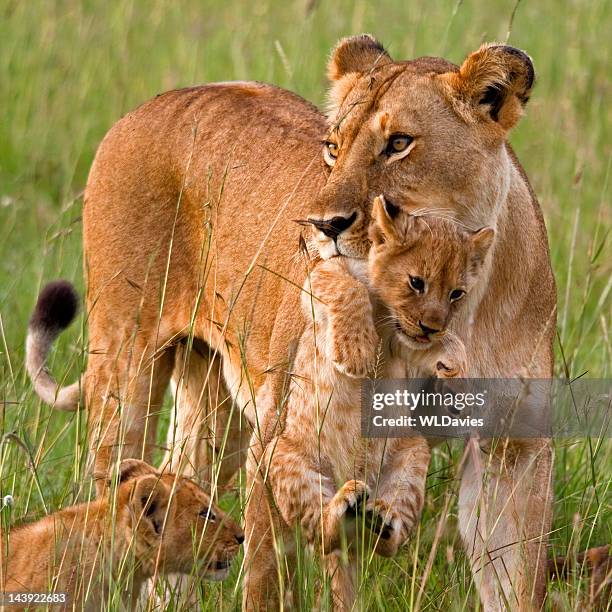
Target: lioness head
<point>172,522</point>
<point>423,133</point>
<point>422,267</point>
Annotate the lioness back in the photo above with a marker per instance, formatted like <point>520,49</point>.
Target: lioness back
<point>185,163</point>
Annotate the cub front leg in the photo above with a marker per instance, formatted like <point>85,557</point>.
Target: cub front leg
<point>305,496</point>
<point>401,493</point>
<point>351,337</point>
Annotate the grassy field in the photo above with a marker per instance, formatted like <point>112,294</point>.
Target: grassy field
<point>70,69</point>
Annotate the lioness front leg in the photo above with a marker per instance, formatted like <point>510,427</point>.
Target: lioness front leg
<point>341,570</point>
<point>351,337</point>
<point>265,537</point>
<point>505,511</point>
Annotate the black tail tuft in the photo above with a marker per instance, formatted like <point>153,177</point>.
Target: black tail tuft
<point>56,306</point>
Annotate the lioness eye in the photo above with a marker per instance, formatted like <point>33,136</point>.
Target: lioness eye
<point>398,143</point>
<point>330,152</point>
<point>207,514</point>
<point>456,294</point>
<point>417,283</point>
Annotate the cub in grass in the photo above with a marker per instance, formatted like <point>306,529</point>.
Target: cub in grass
<point>309,465</point>
<point>155,524</point>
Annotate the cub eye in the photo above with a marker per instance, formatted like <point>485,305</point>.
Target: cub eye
<point>398,143</point>
<point>456,294</point>
<point>208,514</point>
<point>330,152</point>
<point>417,283</point>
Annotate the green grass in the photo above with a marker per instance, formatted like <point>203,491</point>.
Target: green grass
<point>69,70</point>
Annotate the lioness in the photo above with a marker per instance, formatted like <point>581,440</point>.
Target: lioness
<point>316,470</point>
<point>157,523</point>
<point>189,233</point>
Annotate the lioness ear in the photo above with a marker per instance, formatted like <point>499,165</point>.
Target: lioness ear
<point>149,502</point>
<point>481,240</point>
<point>493,83</point>
<point>356,54</point>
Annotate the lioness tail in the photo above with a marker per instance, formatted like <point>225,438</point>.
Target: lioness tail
<point>55,309</point>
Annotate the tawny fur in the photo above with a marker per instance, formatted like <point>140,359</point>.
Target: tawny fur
<point>189,229</point>
<point>55,309</point>
<point>312,467</point>
<point>206,438</point>
<point>157,523</point>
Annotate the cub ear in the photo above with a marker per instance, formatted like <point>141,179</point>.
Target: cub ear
<point>391,225</point>
<point>383,228</point>
<point>133,468</point>
<point>494,83</point>
<point>149,503</point>
<point>481,240</point>
<point>356,54</point>
<point>126,470</point>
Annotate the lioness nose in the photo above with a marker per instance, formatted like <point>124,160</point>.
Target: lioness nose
<point>427,330</point>
<point>335,226</point>
<point>240,538</point>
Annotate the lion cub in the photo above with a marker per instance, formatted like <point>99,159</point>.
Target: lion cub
<point>315,470</point>
<point>157,523</point>
<point>421,269</point>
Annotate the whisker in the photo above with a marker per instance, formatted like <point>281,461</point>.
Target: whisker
<point>426,211</point>
<point>439,213</point>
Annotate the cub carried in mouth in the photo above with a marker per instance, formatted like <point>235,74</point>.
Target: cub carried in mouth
<point>421,268</point>
<point>155,524</point>
<point>310,466</point>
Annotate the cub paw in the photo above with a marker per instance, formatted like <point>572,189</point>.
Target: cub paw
<point>347,503</point>
<point>351,498</point>
<point>450,369</point>
<point>354,352</point>
<point>383,522</point>
<point>454,362</point>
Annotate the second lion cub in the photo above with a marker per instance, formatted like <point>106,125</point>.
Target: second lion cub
<point>98,554</point>
<point>315,470</point>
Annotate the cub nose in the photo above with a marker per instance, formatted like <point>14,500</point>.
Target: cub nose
<point>427,330</point>
<point>335,226</point>
<point>240,538</point>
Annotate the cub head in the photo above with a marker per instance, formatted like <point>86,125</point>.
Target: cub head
<point>426,134</point>
<point>422,267</point>
<point>171,521</point>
